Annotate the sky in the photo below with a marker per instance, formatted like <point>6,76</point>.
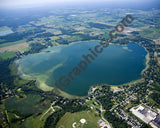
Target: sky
<point>26,3</point>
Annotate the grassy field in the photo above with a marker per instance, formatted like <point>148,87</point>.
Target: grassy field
<point>69,118</point>
<point>30,122</point>
<point>35,122</point>
<point>24,49</point>
<point>11,43</point>
<point>7,55</point>
<point>54,37</point>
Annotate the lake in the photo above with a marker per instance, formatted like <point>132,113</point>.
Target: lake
<point>116,65</point>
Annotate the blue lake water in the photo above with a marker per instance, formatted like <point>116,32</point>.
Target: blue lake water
<point>115,65</point>
<point>2,33</point>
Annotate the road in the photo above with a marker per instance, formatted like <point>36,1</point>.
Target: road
<point>48,110</point>
<point>101,109</point>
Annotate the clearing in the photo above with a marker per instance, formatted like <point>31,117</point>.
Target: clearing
<point>73,119</point>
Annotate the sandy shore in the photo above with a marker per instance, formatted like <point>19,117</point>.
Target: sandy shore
<point>147,61</point>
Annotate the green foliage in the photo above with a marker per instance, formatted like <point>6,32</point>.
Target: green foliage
<point>115,121</point>
<point>53,119</point>
<point>5,75</point>
<point>23,106</point>
<point>152,33</point>
<point>7,55</point>
<point>68,107</point>
<point>37,47</point>
<point>156,97</point>
<point>155,87</point>
<point>106,100</point>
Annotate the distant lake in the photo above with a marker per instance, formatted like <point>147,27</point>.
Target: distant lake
<point>115,65</point>
<point>2,33</point>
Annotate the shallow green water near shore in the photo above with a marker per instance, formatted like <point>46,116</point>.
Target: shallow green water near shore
<point>115,65</point>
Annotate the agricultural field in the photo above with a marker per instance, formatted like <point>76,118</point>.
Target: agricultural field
<point>8,50</point>
<point>14,47</point>
<point>11,43</point>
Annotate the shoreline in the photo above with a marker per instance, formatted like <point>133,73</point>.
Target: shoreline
<point>43,86</point>
<point>147,61</point>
